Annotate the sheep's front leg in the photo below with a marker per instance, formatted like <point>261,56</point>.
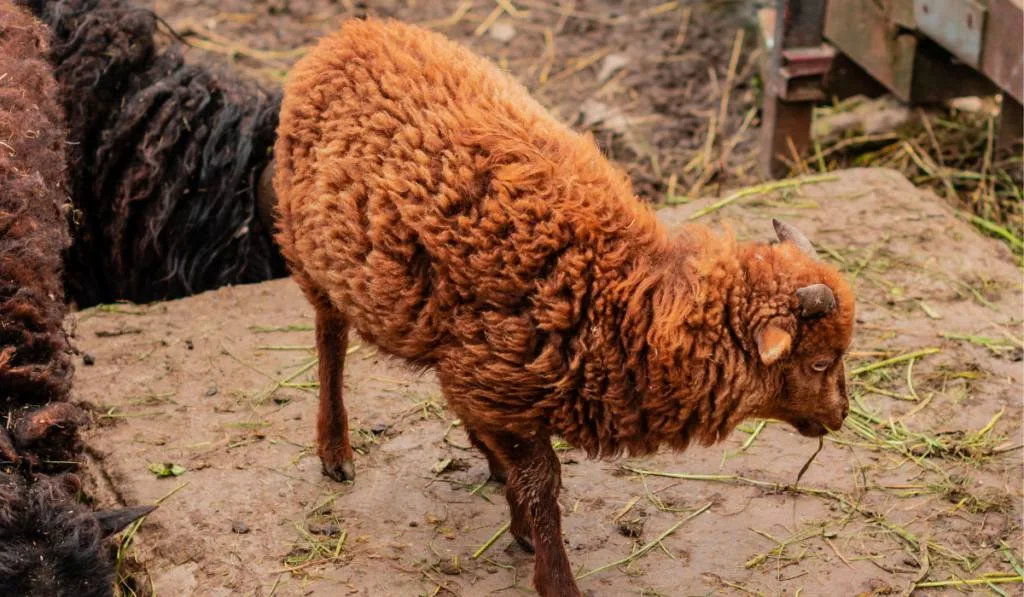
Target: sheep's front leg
<point>534,480</point>
<point>333,445</point>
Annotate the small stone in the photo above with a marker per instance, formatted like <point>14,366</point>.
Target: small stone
<point>188,344</point>
<point>878,586</point>
<point>88,359</point>
<point>631,528</point>
<point>239,527</point>
<point>413,523</point>
<point>278,7</point>
<point>327,530</point>
<point>378,428</point>
<point>502,31</point>
<point>450,567</point>
<point>971,105</point>
<point>211,391</point>
<point>611,64</point>
<point>441,466</point>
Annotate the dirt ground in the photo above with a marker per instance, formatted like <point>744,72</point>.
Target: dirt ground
<point>923,485</point>
<point>649,78</point>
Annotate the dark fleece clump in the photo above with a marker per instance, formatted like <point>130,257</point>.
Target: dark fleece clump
<point>50,545</point>
<point>164,159</point>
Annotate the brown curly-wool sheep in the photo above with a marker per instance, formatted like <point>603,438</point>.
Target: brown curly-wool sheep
<point>428,201</point>
<point>35,354</point>
<point>50,544</point>
<point>35,358</point>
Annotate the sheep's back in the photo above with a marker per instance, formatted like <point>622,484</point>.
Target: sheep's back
<point>430,197</point>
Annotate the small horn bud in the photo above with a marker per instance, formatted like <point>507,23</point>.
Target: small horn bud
<point>815,300</point>
<point>786,232</point>
<point>114,521</point>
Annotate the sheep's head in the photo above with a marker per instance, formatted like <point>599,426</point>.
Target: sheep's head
<point>801,342</point>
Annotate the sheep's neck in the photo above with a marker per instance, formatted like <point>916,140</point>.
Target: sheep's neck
<point>675,372</point>
<point>699,370</point>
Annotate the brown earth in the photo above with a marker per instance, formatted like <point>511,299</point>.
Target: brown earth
<point>669,88</point>
<point>647,77</point>
<point>916,488</point>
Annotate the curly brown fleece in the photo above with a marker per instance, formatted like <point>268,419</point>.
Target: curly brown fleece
<point>35,358</point>
<point>428,201</point>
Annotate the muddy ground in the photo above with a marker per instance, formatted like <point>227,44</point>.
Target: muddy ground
<point>923,485</point>
<point>650,79</point>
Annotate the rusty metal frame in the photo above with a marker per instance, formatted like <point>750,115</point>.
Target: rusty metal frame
<point>874,43</point>
<point>956,25</point>
<point>794,78</point>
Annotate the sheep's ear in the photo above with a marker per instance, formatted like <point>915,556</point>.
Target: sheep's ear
<point>115,521</point>
<point>773,343</point>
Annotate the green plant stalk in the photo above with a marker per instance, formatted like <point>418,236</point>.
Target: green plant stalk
<point>756,190</point>
<point>899,359</point>
<point>646,548</point>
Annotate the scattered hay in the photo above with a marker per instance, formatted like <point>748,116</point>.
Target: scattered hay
<point>950,151</point>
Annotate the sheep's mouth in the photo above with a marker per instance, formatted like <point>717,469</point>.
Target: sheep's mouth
<point>809,428</point>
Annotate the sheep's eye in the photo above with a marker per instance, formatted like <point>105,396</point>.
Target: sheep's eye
<point>821,365</point>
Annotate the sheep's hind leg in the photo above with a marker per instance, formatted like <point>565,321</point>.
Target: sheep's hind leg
<point>494,464</point>
<point>333,444</point>
<point>534,480</point>
<point>495,448</point>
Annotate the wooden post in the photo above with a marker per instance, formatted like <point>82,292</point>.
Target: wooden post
<point>786,121</point>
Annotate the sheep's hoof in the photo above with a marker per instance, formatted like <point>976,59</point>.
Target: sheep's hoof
<point>346,471</point>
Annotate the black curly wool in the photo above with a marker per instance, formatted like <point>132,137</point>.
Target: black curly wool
<point>164,160</point>
<point>50,545</point>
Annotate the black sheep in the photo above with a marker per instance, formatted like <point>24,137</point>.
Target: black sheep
<point>165,159</point>
<point>52,546</point>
